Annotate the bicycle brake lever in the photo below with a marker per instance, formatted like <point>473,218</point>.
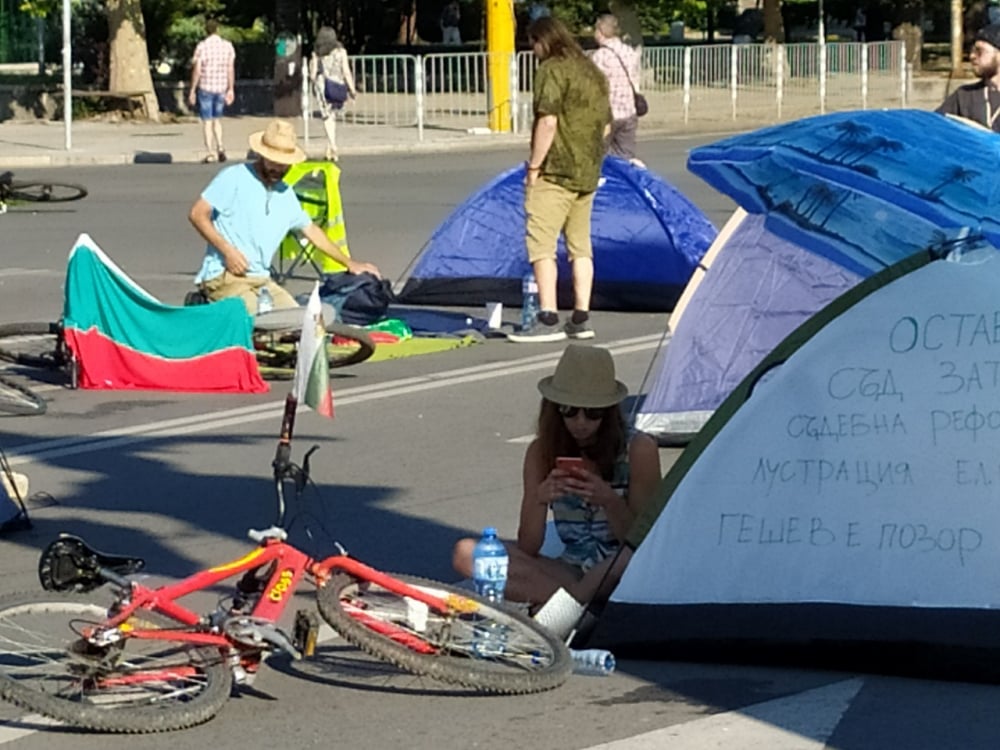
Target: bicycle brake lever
<point>303,475</point>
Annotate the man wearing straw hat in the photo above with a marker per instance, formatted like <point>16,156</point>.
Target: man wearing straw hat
<point>243,215</point>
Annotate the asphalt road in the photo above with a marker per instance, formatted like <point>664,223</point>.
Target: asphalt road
<point>422,451</point>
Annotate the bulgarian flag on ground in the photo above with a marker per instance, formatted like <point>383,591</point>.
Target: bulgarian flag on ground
<point>311,385</point>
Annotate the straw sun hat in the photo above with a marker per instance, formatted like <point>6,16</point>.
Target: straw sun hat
<point>585,376</point>
<point>278,143</point>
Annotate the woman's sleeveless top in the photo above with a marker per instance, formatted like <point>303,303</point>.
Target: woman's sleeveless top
<point>583,528</point>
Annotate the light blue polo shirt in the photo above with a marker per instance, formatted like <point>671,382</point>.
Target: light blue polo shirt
<point>251,217</point>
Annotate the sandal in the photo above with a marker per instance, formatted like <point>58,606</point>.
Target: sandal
<point>210,159</point>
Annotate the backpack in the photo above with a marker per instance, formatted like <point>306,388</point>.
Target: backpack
<point>359,299</point>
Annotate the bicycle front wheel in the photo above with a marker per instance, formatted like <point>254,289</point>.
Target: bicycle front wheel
<point>46,192</point>
<point>383,624</point>
<point>133,685</point>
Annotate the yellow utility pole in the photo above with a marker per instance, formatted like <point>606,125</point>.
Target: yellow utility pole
<point>500,49</point>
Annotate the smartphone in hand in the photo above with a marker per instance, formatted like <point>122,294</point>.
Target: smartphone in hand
<point>570,464</point>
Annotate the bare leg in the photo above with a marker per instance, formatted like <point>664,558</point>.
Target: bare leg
<point>529,579</point>
<point>330,126</point>
<point>583,282</point>
<point>206,131</point>
<point>546,274</point>
<point>217,132</point>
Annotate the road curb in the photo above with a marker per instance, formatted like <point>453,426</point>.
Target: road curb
<point>187,156</point>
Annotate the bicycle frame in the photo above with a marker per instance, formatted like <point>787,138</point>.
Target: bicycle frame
<point>281,585</point>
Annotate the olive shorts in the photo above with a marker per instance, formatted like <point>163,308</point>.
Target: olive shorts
<point>246,288</point>
<point>552,209</point>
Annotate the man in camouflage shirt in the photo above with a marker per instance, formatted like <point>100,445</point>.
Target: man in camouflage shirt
<point>568,143</point>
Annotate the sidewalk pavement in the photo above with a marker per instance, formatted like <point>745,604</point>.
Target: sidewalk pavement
<point>39,143</point>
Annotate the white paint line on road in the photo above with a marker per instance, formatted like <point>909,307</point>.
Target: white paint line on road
<point>803,721</point>
<point>197,423</point>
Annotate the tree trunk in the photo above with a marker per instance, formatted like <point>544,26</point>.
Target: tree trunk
<point>129,55</point>
<point>774,29</point>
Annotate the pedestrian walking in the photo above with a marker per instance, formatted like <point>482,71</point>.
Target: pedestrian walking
<point>213,81</point>
<point>333,82</point>
<point>620,64</point>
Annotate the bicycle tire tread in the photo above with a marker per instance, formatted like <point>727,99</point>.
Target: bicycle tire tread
<point>470,673</point>
<point>31,405</point>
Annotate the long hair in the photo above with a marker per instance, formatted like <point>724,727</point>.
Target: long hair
<point>555,440</point>
<point>554,39</point>
<point>326,41</point>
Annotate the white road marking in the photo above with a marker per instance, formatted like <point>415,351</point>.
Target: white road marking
<point>197,423</point>
<point>803,721</point>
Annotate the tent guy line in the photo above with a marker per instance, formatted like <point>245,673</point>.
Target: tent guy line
<point>198,423</point>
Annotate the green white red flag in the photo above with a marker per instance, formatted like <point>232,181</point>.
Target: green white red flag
<point>311,385</point>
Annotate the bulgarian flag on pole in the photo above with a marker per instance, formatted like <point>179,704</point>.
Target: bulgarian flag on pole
<point>311,385</point>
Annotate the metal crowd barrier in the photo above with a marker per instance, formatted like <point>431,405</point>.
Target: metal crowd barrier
<point>686,86</point>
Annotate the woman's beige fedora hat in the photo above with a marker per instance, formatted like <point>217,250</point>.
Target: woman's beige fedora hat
<point>585,376</point>
<point>278,143</point>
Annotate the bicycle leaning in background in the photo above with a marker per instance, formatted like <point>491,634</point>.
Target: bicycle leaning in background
<point>99,650</point>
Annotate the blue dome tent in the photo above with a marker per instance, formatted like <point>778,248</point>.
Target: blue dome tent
<point>648,238</point>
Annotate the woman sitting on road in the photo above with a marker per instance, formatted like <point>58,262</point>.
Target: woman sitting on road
<point>593,505</point>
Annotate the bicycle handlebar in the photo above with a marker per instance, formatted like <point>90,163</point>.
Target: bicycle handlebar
<point>282,463</point>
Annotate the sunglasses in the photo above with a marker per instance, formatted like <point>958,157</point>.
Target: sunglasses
<point>568,412</point>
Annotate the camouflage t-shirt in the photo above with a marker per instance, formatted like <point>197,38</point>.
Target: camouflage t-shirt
<point>576,92</point>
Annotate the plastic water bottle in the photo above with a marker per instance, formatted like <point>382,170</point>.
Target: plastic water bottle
<point>529,301</point>
<point>489,574</point>
<point>265,303</point>
<point>593,661</point>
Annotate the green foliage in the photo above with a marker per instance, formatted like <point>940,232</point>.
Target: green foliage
<point>40,8</point>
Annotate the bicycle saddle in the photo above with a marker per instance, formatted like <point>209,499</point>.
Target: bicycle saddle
<point>69,563</point>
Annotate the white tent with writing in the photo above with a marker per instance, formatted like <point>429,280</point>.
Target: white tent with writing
<point>848,489</point>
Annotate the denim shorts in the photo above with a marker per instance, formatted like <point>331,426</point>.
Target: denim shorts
<point>210,105</point>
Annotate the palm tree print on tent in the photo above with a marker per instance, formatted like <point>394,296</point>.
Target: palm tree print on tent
<point>906,170</point>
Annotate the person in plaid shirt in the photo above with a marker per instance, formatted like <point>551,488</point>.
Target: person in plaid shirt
<point>213,76</point>
<point>620,64</point>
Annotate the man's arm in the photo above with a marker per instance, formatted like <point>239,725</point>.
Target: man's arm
<point>231,79</point>
<point>200,217</point>
<point>318,237</point>
<point>195,77</point>
<point>542,136</point>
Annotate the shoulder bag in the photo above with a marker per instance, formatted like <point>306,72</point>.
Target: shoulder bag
<point>641,105</point>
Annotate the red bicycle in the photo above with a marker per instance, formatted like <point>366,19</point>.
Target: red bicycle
<point>122,657</point>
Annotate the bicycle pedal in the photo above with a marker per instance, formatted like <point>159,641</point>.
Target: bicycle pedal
<point>306,632</point>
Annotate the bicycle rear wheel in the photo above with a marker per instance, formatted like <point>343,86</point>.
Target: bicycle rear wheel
<point>46,192</point>
<point>18,400</point>
<point>134,685</point>
<point>531,660</point>
<point>276,350</point>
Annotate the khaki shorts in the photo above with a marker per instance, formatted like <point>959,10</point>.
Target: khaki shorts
<point>552,209</point>
<point>246,287</point>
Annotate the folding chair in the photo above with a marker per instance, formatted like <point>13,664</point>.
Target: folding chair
<point>316,184</point>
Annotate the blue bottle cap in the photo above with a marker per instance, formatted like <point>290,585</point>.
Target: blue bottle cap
<point>490,531</point>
